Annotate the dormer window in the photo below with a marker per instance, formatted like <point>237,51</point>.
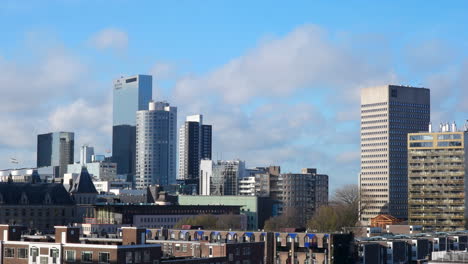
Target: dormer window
<point>47,199</point>
<point>24,199</point>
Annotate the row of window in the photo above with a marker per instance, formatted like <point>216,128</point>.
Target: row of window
<point>374,184</point>
<point>374,173</point>
<point>373,167</point>
<point>374,104</point>
<point>373,116</point>
<point>374,110</point>
<point>374,133</point>
<point>374,161</point>
<point>374,150</point>
<point>425,106</point>
<point>374,138</point>
<point>374,121</point>
<point>374,127</point>
<point>374,156</point>
<point>374,144</point>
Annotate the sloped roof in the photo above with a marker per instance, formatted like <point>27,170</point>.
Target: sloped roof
<point>11,193</point>
<point>83,183</point>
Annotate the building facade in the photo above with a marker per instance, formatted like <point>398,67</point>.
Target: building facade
<point>100,171</point>
<point>156,145</point>
<point>195,144</point>
<point>303,193</point>
<point>221,177</point>
<point>437,184</point>
<point>388,114</point>
<point>131,94</point>
<point>86,154</point>
<point>56,150</point>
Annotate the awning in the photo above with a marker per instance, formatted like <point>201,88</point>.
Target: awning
<point>249,234</point>
<point>277,234</point>
<point>200,233</point>
<point>310,235</point>
<point>215,233</point>
<point>292,235</point>
<point>184,231</point>
<point>232,233</point>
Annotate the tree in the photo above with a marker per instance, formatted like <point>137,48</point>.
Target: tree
<point>288,219</point>
<point>342,211</point>
<point>220,222</point>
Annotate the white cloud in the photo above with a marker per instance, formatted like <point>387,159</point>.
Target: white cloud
<point>110,38</point>
<point>163,71</point>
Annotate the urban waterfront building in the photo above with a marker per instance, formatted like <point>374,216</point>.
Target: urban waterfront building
<point>131,94</point>
<point>156,145</point>
<point>221,177</point>
<point>388,114</point>
<point>437,183</point>
<point>194,145</point>
<point>56,150</point>
<point>303,193</point>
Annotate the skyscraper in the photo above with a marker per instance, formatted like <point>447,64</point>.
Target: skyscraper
<point>86,154</point>
<point>194,145</point>
<point>156,145</point>
<point>388,114</point>
<point>57,150</point>
<point>131,94</point>
<point>221,177</point>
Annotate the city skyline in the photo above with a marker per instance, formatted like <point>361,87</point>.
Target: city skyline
<point>266,107</point>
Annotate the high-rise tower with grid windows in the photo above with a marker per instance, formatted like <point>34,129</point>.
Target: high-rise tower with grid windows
<point>388,114</point>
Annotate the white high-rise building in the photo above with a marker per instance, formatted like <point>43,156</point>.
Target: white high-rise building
<point>156,140</point>
<point>388,114</point>
<point>86,154</point>
<point>221,177</point>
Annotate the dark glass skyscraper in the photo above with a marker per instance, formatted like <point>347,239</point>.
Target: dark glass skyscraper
<point>131,94</point>
<point>194,145</point>
<point>56,149</point>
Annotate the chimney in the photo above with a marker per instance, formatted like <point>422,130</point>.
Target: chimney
<point>430,127</point>
<point>65,234</point>
<point>11,232</point>
<point>454,127</point>
<point>133,236</point>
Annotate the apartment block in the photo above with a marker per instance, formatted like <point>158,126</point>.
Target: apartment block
<point>437,184</point>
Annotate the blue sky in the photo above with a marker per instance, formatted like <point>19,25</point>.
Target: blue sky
<point>278,80</point>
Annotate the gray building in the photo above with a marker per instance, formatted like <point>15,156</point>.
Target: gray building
<point>388,114</point>
<point>55,150</point>
<point>156,145</point>
<point>131,94</point>
<point>194,145</point>
<point>303,193</point>
<point>221,177</point>
<point>86,154</point>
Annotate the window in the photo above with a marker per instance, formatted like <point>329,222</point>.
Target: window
<point>421,144</point>
<point>184,247</point>
<point>9,252</point>
<point>22,253</point>
<point>421,137</point>
<point>44,260</point>
<point>70,255</point>
<point>34,253</point>
<point>128,257</point>
<point>87,256</point>
<point>104,257</point>
<point>146,256</point>
<point>137,257</point>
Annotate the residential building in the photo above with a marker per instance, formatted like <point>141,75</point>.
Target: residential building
<point>57,150</point>
<point>86,154</point>
<point>36,206</point>
<point>195,144</point>
<point>437,179</point>
<point>131,94</point>
<point>303,193</point>
<point>388,114</point>
<point>256,209</point>
<point>156,145</point>
<point>221,177</point>
<point>99,170</point>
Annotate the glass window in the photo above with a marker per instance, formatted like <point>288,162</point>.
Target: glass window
<point>421,137</point>
<point>22,253</point>
<point>104,257</point>
<point>146,256</point>
<point>34,253</point>
<point>137,257</point>
<point>128,257</point>
<point>9,252</point>
<point>449,143</point>
<point>421,144</point>
<point>87,256</point>
<point>70,255</point>
<point>449,136</point>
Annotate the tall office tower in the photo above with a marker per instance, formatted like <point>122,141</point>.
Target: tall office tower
<point>388,114</point>
<point>194,145</point>
<point>437,183</point>
<point>131,94</point>
<point>86,154</point>
<point>156,140</point>
<point>303,193</point>
<point>221,177</point>
<point>56,150</point>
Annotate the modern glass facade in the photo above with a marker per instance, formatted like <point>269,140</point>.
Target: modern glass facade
<point>56,149</point>
<point>131,94</point>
